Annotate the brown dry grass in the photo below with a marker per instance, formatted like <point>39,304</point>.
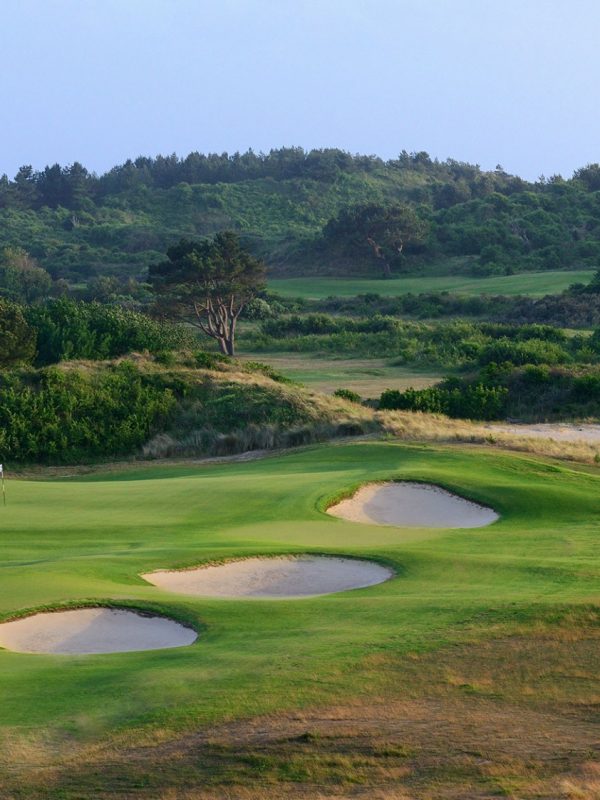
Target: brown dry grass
<point>419,427</point>
<point>511,710</point>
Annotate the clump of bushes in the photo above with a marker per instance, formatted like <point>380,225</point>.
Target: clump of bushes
<point>577,307</point>
<point>205,360</point>
<point>266,370</point>
<point>55,415</point>
<point>61,415</point>
<point>477,402</point>
<point>67,329</point>
<point>455,344</point>
<point>529,392</point>
<point>348,394</point>
<point>17,337</point>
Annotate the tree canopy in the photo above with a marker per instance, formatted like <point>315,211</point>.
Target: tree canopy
<point>387,230</point>
<point>21,278</point>
<point>17,338</point>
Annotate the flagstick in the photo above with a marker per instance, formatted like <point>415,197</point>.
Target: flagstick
<point>3,486</point>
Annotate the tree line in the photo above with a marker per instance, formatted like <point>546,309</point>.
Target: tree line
<point>71,185</point>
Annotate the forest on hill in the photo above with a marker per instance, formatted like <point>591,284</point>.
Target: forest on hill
<point>317,212</point>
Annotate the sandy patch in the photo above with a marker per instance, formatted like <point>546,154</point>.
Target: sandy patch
<point>559,431</point>
<point>93,630</point>
<point>286,576</point>
<point>414,505</point>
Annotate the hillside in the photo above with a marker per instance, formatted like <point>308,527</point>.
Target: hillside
<point>78,225</point>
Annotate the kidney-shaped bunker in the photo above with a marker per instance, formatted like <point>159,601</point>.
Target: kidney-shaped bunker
<point>93,630</point>
<point>408,504</point>
<point>277,576</point>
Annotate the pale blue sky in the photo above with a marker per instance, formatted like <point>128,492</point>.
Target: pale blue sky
<point>488,81</point>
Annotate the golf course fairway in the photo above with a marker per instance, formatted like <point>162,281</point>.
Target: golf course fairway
<point>85,539</point>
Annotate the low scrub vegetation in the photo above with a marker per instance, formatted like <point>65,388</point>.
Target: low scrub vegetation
<point>578,307</point>
<point>530,392</point>
<point>68,415</point>
<point>81,411</point>
<point>455,344</point>
<point>64,329</point>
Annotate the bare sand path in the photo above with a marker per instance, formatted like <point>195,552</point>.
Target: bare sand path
<point>414,505</point>
<point>559,431</point>
<point>93,630</point>
<point>283,577</point>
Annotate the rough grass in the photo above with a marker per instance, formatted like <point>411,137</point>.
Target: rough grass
<point>510,711</point>
<point>416,426</point>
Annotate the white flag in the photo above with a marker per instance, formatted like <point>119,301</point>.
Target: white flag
<point>1,470</point>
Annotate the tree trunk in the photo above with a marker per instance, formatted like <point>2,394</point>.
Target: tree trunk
<point>387,272</point>
<point>227,341</point>
<point>218,320</point>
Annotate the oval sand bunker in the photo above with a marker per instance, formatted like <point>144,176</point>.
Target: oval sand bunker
<point>285,576</point>
<point>93,630</point>
<point>412,505</point>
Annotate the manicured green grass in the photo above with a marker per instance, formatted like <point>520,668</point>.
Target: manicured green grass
<point>535,284</point>
<point>366,376</point>
<point>79,539</point>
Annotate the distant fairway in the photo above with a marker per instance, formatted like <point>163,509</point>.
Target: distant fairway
<point>427,635</point>
<point>367,376</point>
<point>534,284</point>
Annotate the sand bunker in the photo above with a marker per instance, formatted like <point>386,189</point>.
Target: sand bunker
<point>93,630</point>
<point>407,504</point>
<point>286,576</point>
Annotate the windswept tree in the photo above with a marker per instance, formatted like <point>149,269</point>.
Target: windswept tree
<point>388,231</point>
<point>208,283</point>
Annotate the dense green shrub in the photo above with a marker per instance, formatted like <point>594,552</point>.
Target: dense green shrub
<point>237,405</point>
<point>320,324</point>
<point>80,413</point>
<point>450,345</point>
<point>17,338</point>
<point>471,402</point>
<point>530,351</point>
<point>530,392</point>
<point>205,360</point>
<point>574,308</point>
<point>348,394</point>
<point>67,329</point>
<point>55,415</point>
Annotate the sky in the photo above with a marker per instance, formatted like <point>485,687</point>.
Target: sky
<point>510,82</point>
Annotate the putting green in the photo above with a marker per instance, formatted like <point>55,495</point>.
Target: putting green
<point>77,539</point>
